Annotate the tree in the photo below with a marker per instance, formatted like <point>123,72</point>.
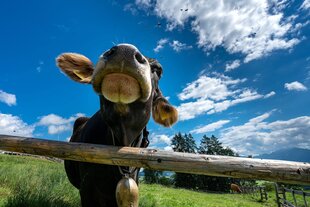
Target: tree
<point>186,144</point>
<point>212,146</point>
<point>190,144</point>
<point>152,176</point>
<point>178,143</point>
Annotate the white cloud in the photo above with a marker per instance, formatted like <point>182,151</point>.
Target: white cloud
<point>295,86</point>
<point>168,148</point>
<point>297,27</point>
<point>272,93</point>
<point>214,94</point>
<point>57,124</point>
<point>190,110</point>
<point>160,141</point>
<point>7,98</point>
<point>14,125</point>
<point>53,119</point>
<point>215,88</point>
<point>39,67</point>
<point>278,5</point>
<point>305,5</point>
<point>57,129</point>
<point>156,139</point>
<point>176,45</point>
<point>258,136</point>
<point>179,46</point>
<point>210,127</point>
<point>131,8</point>
<point>160,44</point>
<point>235,64</point>
<point>254,28</point>
<point>143,3</point>
<point>246,96</point>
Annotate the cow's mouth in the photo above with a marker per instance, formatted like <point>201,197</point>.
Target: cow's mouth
<point>120,88</point>
<point>122,81</point>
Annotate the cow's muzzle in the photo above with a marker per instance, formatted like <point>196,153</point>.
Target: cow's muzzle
<point>123,75</point>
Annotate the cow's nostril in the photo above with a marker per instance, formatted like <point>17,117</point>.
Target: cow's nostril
<point>140,58</point>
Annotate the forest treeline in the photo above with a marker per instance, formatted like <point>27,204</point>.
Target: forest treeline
<point>208,145</point>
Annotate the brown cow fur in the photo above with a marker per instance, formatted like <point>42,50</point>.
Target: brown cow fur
<point>235,188</point>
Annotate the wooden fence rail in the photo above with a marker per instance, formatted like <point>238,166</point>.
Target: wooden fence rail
<point>282,200</point>
<point>236,167</point>
<point>255,190</point>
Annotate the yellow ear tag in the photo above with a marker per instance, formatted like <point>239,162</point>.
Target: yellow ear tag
<point>164,115</point>
<point>80,75</point>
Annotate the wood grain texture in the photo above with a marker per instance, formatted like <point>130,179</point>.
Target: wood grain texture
<point>224,166</point>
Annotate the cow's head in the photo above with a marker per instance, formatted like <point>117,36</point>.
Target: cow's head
<point>127,83</point>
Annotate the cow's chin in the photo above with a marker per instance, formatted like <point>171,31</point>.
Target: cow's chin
<point>120,88</point>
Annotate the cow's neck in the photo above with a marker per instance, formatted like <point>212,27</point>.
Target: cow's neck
<point>122,136</point>
<point>125,123</point>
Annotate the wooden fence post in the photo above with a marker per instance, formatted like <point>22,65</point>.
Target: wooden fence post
<point>261,193</point>
<point>294,198</point>
<point>277,194</point>
<point>266,194</point>
<point>305,199</point>
<point>284,194</point>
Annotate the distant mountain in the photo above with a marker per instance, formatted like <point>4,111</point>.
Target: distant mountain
<point>291,154</point>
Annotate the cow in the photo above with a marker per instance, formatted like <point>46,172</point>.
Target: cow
<point>127,85</point>
<point>235,188</point>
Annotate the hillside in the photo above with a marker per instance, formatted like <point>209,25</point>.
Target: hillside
<point>291,154</point>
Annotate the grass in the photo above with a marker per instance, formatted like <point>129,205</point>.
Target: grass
<point>4,193</point>
<point>35,182</point>
<point>159,196</point>
<point>28,181</point>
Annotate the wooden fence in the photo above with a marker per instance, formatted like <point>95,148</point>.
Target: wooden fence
<point>255,190</point>
<point>224,166</point>
<point>282,197</point>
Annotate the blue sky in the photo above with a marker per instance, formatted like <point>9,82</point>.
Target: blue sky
<point>237,69</point>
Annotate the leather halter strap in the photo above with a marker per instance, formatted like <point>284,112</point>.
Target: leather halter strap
<point>141,141</point>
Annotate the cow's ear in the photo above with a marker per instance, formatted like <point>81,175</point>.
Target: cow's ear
<point>163,112</point>
<point>77,67</point>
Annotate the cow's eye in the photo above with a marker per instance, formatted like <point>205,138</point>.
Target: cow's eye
<point>156,68</point>
<point>110,52</point>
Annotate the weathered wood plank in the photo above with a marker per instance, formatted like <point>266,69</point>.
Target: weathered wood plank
<point>272,170</point>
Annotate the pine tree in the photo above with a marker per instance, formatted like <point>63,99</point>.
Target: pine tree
<point>212,146</point>
<point>186,144</point>
<point>190,144</point>
<point>178,143</point>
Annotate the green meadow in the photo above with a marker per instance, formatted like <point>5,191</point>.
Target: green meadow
<point>35,182</point>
